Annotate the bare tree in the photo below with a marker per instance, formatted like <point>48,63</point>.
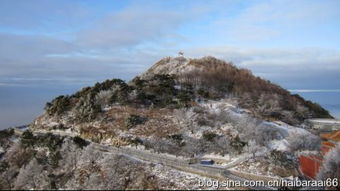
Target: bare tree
<point>186,118</point>
<point>303,141</point>
<point>253,148</point>
<point>103,98</point>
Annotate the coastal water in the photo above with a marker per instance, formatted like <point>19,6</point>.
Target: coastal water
<point>20,105</point>
<point>328,100</point>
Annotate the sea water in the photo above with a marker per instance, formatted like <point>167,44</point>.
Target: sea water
<point>329,100</point>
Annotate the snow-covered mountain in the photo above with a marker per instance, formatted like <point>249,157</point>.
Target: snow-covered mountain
<point>181,109</point>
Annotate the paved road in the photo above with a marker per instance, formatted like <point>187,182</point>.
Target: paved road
<point>168,160</point>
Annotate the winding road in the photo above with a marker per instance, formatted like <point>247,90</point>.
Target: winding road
<point>220,173</point>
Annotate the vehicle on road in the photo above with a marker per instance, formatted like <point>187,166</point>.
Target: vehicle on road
<point>207,162</point>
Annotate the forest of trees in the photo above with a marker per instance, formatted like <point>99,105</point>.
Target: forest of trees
<point>211,79</point>
<point>214,79</point>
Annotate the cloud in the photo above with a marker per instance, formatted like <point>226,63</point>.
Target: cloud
<point>37,59</point>
<point>4,84</point>
<point>268,20</point>
<point>118,44</point>
<point>135,25</point>
<point>40,15</point>
<point>47,60</point>
<point>124,42</point>
<point>291,68</point>
<point>31,45</point>
<point>24,53</point>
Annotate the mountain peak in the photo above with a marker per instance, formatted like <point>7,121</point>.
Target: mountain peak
<point>184,107</point>
<point>181,65</point>
<point>175,82</point>
<point>213,78</point>
<point>168,65</point>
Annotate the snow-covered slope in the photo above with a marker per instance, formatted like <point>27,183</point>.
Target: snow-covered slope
<point>170,66</point>
<point>191,119</point>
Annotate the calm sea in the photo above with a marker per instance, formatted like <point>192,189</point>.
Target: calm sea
<point>329,100</point>
<point>20,105</point>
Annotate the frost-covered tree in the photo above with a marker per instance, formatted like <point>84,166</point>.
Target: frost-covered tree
<point>303,141</point>
<point>289,117</point>
<point>103,98</point>
<point>133,95</point>
<point>331,165</point>
<point>264,134</point>
<point>250,128</point>
<point>302,110</point>
<point>268,104</point>
<point>86,109</point>
<point>252,148</point>
<point>186,118</point>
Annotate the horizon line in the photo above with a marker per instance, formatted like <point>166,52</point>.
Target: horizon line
<point>315,90</point>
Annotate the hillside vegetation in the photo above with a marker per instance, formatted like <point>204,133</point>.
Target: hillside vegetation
<point>188,108</point>
<point>185,107</point>
<point>184,84</point>
<point>51,162</point>
<point>85,105</point>
<point>215,79</point>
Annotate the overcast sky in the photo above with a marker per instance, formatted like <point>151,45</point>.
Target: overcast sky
<point>295,43</point>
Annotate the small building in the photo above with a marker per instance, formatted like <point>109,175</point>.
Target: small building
<point>207,162</point>
<point>324,125</point>
<point>310,163</point>
<point>329,141</point>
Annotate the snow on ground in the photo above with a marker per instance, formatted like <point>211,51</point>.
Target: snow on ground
<point>175,65</point>
<point>14,139</point>
<point>107,108</point>
<point>179,179</point>
<point>216,156</point>
<point>218,106</point>
<point>262,171</point>
<point>236,113</point>
<point>52,124</point>
<point>196,135</point>
<point>67,132</point>
<point>262,167</point>
<point>285,131</point>
<point>279,145</point>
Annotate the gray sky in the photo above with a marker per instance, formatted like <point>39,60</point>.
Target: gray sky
<point>61,43</point>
